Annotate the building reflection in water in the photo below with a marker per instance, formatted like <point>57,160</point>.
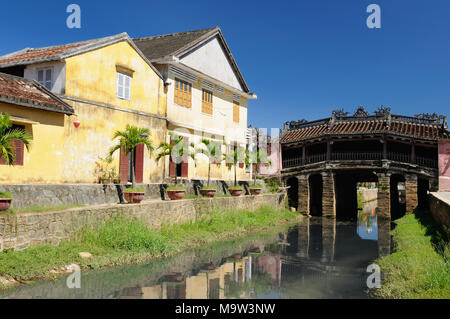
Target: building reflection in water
<point>310,260</point>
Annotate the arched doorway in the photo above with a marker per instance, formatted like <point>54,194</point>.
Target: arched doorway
<point>292,183</point>
<point>315,195</point>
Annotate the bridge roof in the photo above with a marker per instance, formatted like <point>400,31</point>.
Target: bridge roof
<point>423,126</point>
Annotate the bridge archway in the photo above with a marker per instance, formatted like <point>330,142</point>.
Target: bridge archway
<point>315,182</point>
<point>292,183</point>
<point>398,195</point>
<point>423,186</point>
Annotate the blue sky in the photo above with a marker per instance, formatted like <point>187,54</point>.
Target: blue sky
<point>303,58</point>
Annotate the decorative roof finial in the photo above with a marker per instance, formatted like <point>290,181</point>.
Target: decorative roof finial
<point>360,112</point>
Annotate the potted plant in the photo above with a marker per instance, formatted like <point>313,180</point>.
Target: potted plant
<point>134,195</point>
<point>128,140</point>
<point>176,192</point>
<point>5,200</point>
<point>233,158</point>
<point>176,149</point>
<point>236,190</point>
<point>212,151</point>
<point>257,158</point>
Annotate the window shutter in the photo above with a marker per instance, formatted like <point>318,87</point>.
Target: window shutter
<point>123,167</point>
<point>139,163</point>
<point>235,112</point>
<point>19,152</point>
<point>185,161</point>
<point>172,165</point>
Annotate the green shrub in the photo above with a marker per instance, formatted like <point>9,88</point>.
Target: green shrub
<point>6,195</point>
<point>134,190</point>
<point>235,187</point>
<point>255,186</point>
<point>176,188</point>
<point>209,187</point>
<point>272,185</point>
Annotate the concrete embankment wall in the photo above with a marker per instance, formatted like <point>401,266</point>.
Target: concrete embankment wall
<point>97,194</point>
<point>440,210</point>
<point>31,229</point>
<point>367,194</point>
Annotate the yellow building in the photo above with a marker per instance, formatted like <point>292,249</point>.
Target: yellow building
<point>103,85</point>
<point>206,95</point>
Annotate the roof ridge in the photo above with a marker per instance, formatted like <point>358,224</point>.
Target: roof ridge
<point>175,33</point>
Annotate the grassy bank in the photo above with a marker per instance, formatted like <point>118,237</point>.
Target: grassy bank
<point>123,240</point>
<point>420,266</point>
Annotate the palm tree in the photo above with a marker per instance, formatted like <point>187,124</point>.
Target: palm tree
<point>128,140</point>
<point>257,158</point>
<point>7,136</point>
<point>234,158</point>
<point>212,150</point>
<point>176,149</point>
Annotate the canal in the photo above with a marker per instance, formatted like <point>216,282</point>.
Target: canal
<point>318,258</point>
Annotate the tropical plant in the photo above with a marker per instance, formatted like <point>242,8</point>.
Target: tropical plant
<point>105,170</point>
<point>177,149</point>
<point>257,158</point>
<point>7,136</point>
<point>233,158</point>
<point>131,137</point>
<point>212,150</point>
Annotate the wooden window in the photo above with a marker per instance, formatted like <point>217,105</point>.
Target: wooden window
<point>235,111</point>
<point>207,100</point>
<point>183,93</point>
<point>19,148</point>
<point>123,86</point>
<point>45,77</point>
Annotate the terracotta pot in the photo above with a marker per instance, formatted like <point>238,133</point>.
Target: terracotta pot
<point>255,191</point>
<point>5,203</point>
<point>176,194</point>
<point>134,197</point>
<point>208,192</point>
<point>236,192</point>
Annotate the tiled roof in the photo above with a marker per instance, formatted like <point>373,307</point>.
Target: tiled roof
<point>58,52</point>
<point>156,48</point>
<point>28,93</point>
<point>165,45</point>
<point>29,55</point>
<point>363,127</point>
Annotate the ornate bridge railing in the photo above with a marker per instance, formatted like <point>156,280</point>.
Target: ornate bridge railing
<point>358,156</point>
<point>352,156</point>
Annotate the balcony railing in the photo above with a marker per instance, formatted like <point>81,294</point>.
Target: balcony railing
<point>359,156</point>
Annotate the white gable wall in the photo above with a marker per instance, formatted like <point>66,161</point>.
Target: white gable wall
<point>211,59</point>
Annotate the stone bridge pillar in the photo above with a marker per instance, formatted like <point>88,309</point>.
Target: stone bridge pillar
<point>303,193</point>
<point>303,239</point>
<point>384,195</point>
<point>411,193</point>
<point>328,195</point>
<point>328,239</point>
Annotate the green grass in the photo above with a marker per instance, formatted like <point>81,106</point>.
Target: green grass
<point>255,186</point>
<point>40,209</point>
<point>236,187</point>
<point>6,195</point>
<point>420,266</point>
<point>209,187</point>
<point>123,240</point>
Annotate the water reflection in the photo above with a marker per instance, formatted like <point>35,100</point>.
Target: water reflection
<point>319,258</point>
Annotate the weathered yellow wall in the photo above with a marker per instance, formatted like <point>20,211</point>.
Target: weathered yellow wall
<point>93,76</point>
<point>44,162</point>
<point>64,154</point>
<point>93,138</point>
